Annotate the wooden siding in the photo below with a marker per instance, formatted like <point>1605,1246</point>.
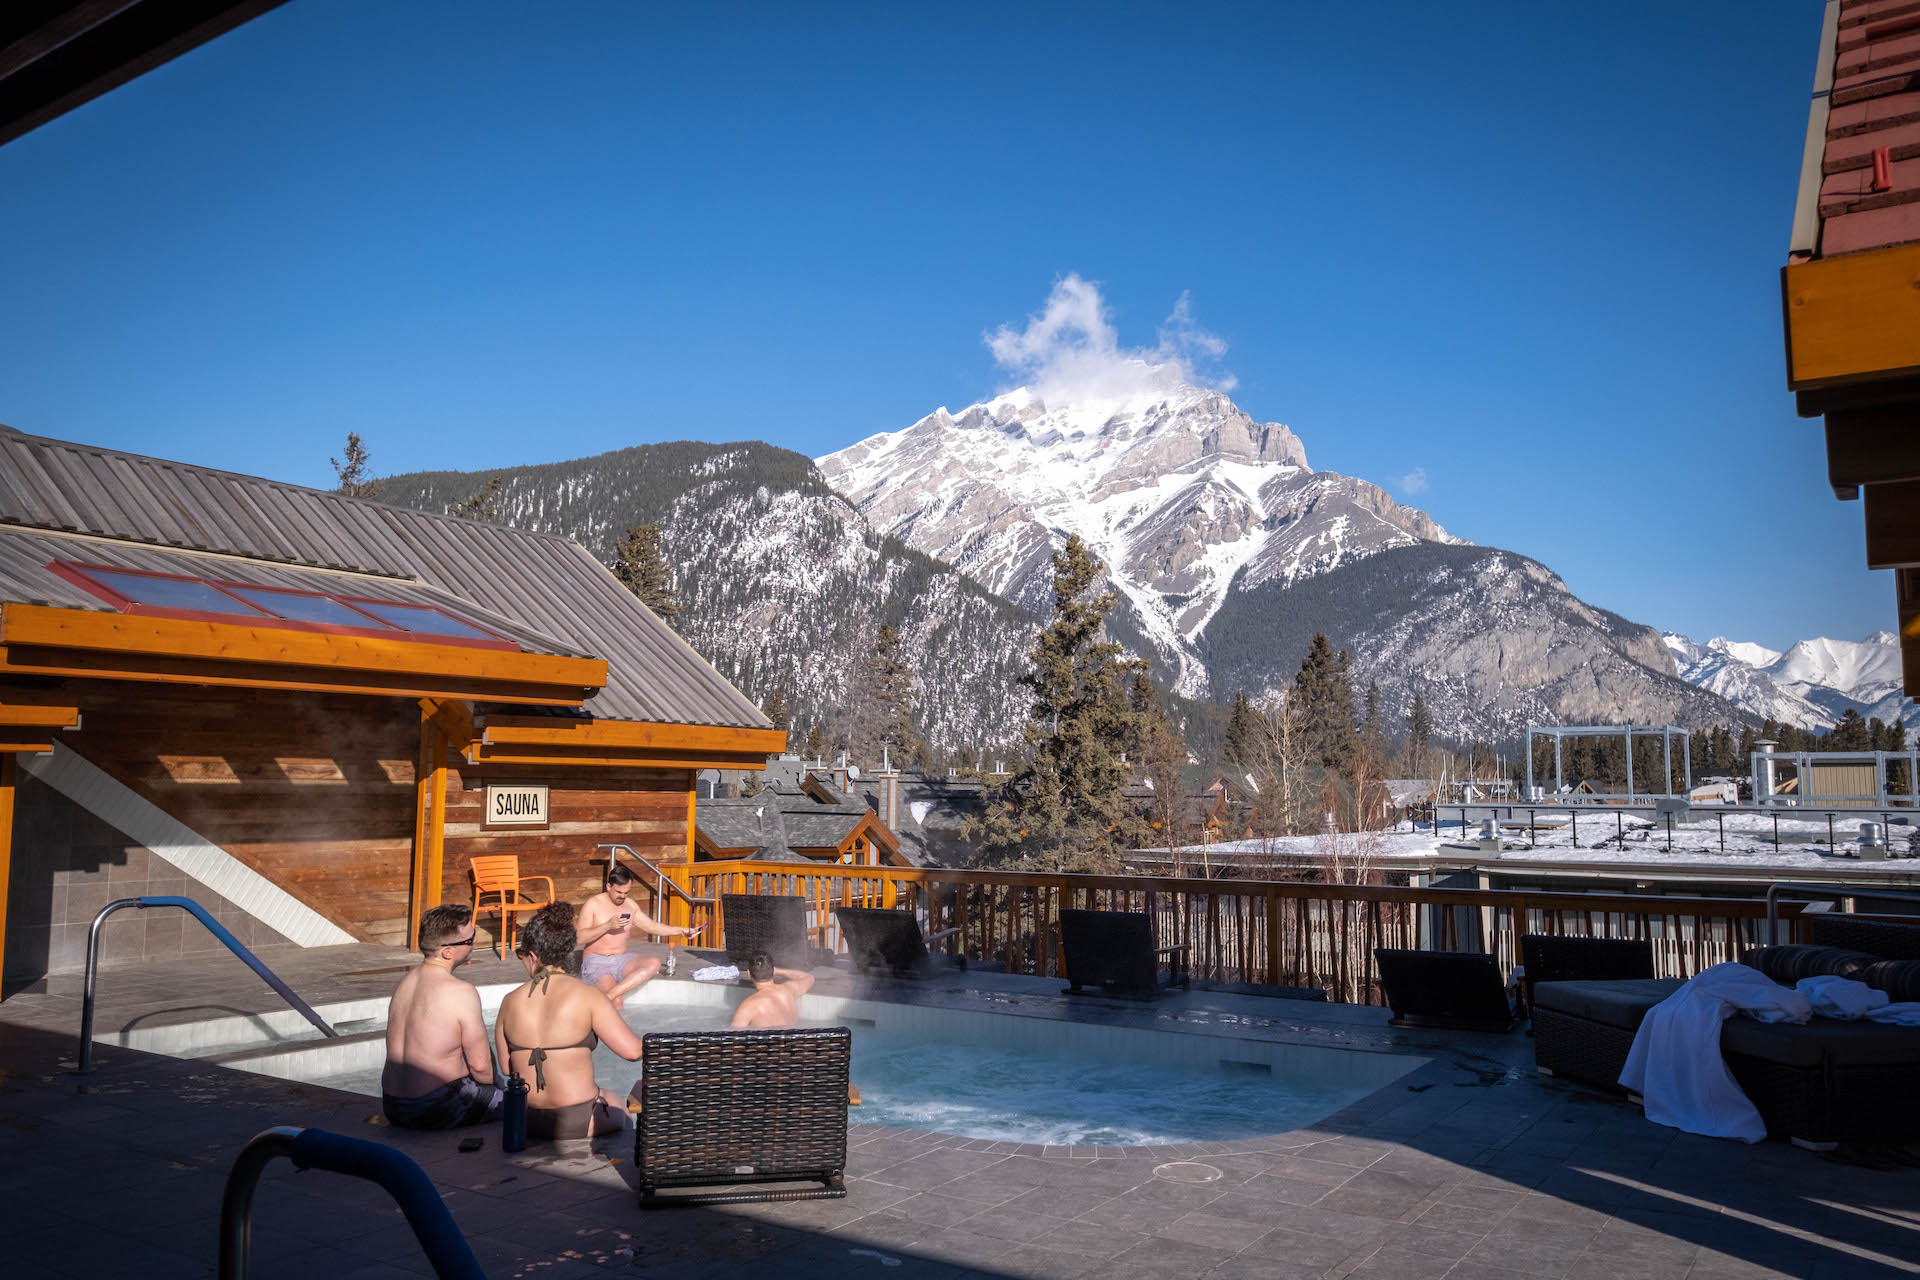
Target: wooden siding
<point>316,792</point>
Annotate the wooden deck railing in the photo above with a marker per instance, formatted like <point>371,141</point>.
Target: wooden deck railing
<point>1280,933</point>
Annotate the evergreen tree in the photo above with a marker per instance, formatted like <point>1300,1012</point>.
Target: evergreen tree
<point>352,473</point>
<point>1243,733</point>
<point>816,748</point>
<point>483,504</point>
<point>777,710</point>
<point>1326,705</point>
<point>640,564</point>
<point>1065,803</point>
<point>1850,734</point>
<point>1419,723</point>
<point>890,687</point>
<point>1373,729</point>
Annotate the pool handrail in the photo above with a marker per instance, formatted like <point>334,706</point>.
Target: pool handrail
<point>214,927</point>
<point>440,1237</point>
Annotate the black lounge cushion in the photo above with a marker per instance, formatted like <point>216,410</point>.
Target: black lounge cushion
<point>1822,1041</point>
<point>1619,1002</point>
<point>1444,988</point>
<point>1788,964</point>
<point>1878,937</point>
<point>1900,979</point>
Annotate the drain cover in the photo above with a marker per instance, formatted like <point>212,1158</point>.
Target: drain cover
<point>1186,1171</point>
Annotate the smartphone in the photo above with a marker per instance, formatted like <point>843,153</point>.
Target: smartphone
<point>472,1144</point>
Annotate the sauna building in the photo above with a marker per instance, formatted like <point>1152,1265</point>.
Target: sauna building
<point>312,712</point>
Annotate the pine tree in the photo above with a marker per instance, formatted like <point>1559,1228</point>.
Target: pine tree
<point>1064,805</point>
<point>1373,729</point>
<point>891,690</point>
<point>483,504</point>
<point>1419,723</point>
<point>1326,705</point>
<point>777,710</point>
<point>1243,733</point>
<point>352,473</point>
<point>1850,734</point>
<point>816,748</point>
<point>640,564</point>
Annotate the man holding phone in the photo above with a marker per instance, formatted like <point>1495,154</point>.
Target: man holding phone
<point>604,926</point>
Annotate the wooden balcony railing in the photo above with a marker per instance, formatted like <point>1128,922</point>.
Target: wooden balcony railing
<point>1279,933</point>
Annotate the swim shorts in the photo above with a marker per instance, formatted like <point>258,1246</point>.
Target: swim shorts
<point>593,968</point>
<point>454,1105</point>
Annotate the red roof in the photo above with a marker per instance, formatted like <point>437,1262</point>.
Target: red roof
<point>1869,195</point>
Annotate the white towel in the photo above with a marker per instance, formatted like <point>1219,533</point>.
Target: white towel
<point>1906,1014</point>
<point>717,973</point>
<point>1675,1062</point>
<point>1842,998</point>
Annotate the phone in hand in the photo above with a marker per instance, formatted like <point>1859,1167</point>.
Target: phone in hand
<point>626,915</point>
<point>695,931</point>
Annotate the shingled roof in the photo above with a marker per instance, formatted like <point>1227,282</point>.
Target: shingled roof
<point>546,592</point>
<point>1863,139</point>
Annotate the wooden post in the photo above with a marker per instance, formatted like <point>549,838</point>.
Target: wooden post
<point>7,767</point>
<point>429,823</point>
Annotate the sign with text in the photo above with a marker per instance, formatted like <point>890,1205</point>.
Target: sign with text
<point>516,806</point>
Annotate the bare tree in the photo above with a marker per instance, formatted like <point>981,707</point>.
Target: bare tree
<point>352,472</point>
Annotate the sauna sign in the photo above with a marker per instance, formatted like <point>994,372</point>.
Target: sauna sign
<point>516,806</point>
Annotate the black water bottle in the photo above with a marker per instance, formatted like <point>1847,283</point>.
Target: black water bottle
<point>513,1116</point>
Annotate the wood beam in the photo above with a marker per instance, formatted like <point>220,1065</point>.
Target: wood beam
<point>1893,525</point>
<point>613,759</point>
<point>629,735</point>
<point>1852,318</point>
<point>8,773</point>
<point>1879,445</point>
<point>1906,587</point>
<point>34,660</point>
<point>246,645</point>
<point>27,716</point>
<point>429,823</point>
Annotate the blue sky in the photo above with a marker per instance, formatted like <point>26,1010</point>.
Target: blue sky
<point>1529,251</point>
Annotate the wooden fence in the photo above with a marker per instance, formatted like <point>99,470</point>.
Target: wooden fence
<point>1277,933</point>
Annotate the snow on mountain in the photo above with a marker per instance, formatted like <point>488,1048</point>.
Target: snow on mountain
<point>1812,684</point>
<point>1182,495</point>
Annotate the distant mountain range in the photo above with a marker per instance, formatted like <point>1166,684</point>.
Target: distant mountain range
<point>1810,685</point>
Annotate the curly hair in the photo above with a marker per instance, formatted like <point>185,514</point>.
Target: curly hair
<point>548,936</point>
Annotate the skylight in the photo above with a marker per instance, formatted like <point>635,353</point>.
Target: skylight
<point>137,591</point>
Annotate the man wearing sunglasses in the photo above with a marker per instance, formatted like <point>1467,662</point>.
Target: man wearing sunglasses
<point>439,1072</point>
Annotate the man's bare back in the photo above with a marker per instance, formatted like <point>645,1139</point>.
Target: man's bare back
<point>435,1034</point>
<point>774,1003</point>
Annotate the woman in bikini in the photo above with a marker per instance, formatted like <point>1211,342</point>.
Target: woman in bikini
<point>547,1031</point>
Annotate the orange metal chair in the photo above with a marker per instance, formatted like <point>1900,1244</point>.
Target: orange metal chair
<point>500,876</point>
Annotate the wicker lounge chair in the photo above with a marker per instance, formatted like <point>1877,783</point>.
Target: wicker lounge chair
<point>1818,1083</point>
<point>1887,941</point>
<point>725,1109</point>
<point>886,939</point>
<point>1557,958</point>
<point>773,923</point>
<point>1115,951</point>
<point>1456,989</point>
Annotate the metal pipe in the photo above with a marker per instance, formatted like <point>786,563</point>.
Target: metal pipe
<point>218,930</point>
<point>439,1236</point>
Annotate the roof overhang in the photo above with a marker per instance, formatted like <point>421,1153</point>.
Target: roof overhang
<point>57,56</point>
<point>28,730</point>
<point>549,740</point>
<point>36,640</point>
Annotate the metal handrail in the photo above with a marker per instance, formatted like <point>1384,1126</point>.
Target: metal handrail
<point>440,1237</point>
<point>1825,891</point>
<point>660,883</point>
<point>214,927</point>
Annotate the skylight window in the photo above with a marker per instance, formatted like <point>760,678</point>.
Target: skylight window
<point>135,591</point>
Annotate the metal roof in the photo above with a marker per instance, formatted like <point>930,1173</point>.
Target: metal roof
<point>546,591</point>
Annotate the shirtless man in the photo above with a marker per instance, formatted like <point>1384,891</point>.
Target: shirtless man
<point>439,1072</point>
<point>606,922</point>
<point>774,1003</point>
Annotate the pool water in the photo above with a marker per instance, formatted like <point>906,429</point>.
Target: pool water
<point>1017,1079</point>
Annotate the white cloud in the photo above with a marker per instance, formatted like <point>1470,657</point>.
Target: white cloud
<point>1070,351</point>
<point>1415,481</point>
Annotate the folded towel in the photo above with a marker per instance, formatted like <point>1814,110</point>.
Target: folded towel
<point>1843,998</point>
<point>718,973</point>
<point>1906,1014</point>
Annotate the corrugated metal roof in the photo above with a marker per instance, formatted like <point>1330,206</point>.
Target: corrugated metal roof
<point>546,587</point>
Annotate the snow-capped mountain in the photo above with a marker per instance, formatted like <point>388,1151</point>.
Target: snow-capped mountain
<point>1810,685</point>
<point>1229,552</point>
<point>1182,495</point>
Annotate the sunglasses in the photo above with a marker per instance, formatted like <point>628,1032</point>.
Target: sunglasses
<point>463,942</point>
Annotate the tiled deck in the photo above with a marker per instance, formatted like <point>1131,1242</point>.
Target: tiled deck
<point>1469,1167</point>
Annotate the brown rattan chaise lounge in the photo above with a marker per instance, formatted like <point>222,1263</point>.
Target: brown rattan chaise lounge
<point>878,938</point>
<point>1553,957</point>
<point>1461,990</point>
<point>1115,952</point>
<point>773,923</point>
<point>730,1109</point>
